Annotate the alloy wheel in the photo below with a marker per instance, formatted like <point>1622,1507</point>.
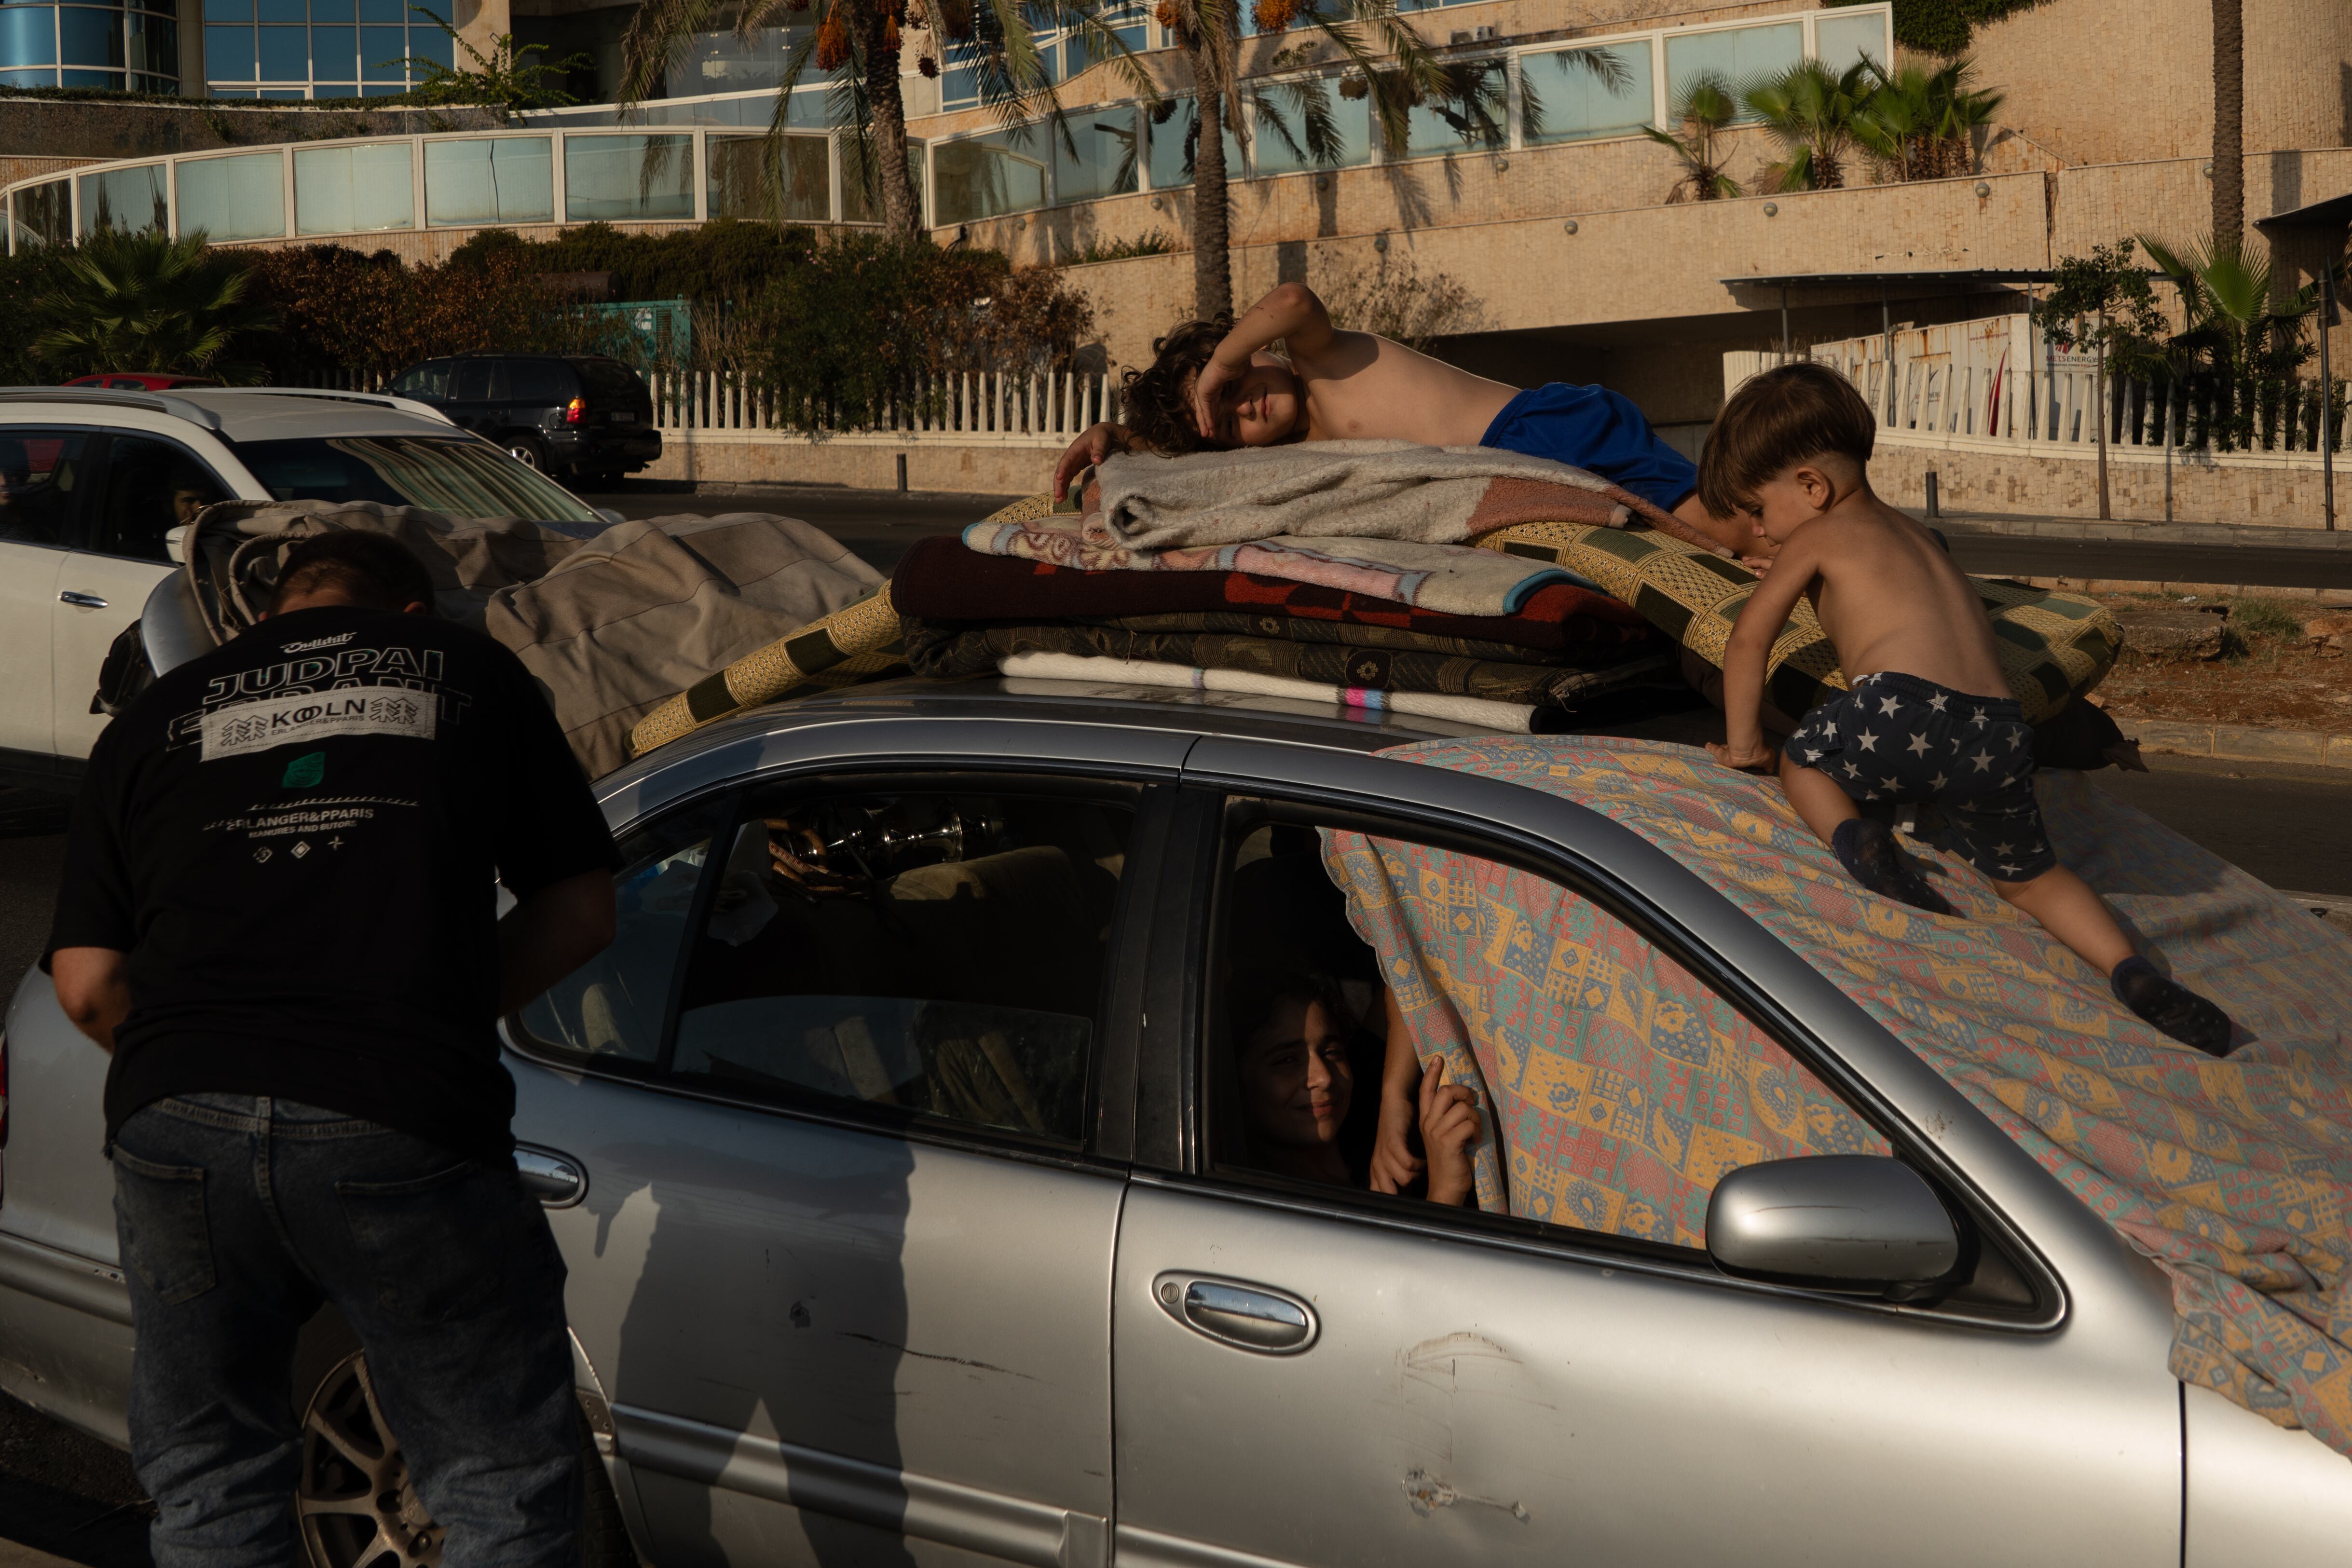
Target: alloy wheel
<point>354,1499</point>
<point>525,453</point>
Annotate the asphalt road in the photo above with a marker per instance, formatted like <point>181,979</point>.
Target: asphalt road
<point>68,1495</point>
<point>2001,555</point>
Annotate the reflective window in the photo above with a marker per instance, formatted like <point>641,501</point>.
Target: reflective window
<point>1172,133</point>
<point>151,487</point>
<point>987,176</point>
<point>118,47</point>
<point>474,380</point>
<point>383,54</point>
<point>353,190</point>
<point>861,192</point>
<point>335,54</point>
<point>1839,41</point>
<point>1476,119</point>
<point>1575,95</point>
<point>740,179</point>
<point>627,177</point>
<point>1280,144</point>
<point>285,54</point>
<point>129,200</point>
<point>612,1007</point>
<point>460,475</point>
<point>930,955</point>
<point>41,215</point>
<point>1739,54</point>
<point>317,49</point>
<point>1106,160</point>
<point>229,53</point>
<point>497,180</point>
<point>28,37</point>
<point>38,472</point>
<point>538,384</point>
<point>89,36</point>
<point>428,382</point>
<point>243,197</point>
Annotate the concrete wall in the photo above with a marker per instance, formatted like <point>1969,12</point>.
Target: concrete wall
<point>858,463</point>
<point>2273,491</point>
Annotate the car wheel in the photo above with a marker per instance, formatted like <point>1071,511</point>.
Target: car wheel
<point>527,452</point>
<point>357,1508</point>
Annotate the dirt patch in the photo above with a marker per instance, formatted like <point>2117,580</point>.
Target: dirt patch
<point>2268,674</point>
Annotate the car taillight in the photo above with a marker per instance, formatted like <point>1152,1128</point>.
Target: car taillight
<point>575,411</point>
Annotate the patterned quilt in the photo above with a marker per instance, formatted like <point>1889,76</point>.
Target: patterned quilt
<point>1622,1089</point>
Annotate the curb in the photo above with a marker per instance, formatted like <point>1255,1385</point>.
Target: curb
<point>2332,597</point>
<point>2241,742</point>
<point>2146,533</point>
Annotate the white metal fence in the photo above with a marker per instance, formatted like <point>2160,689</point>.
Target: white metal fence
<point>976,408</point>
<point>2002,380</point>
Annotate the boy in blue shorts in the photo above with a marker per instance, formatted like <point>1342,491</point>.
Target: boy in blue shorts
<point>1216,385</point>
<point>1927,715</point>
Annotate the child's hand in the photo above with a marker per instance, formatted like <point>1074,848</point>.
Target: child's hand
<point>1450,1126</point>
<point>1207,389</point>
<point>1754,758</point>
<point>1094,444</point>
<point>1394,1164</point>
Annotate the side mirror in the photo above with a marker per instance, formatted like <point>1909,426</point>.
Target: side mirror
<point>1860,1223</point>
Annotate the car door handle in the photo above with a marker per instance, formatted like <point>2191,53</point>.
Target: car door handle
<point>1247,1317</point>
<point>556,1180</point>
<point>85,601</point>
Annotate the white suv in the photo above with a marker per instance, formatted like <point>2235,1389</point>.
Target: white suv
<point>93,483</point>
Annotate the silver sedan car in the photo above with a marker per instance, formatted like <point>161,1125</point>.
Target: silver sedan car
<point>915,1215</point>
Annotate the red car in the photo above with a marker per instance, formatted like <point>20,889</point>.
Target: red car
<point>140,380</point>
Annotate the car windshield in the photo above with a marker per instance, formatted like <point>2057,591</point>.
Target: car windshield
<point>457,475</point>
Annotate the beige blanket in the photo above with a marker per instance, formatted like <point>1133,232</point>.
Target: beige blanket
<point>613,623</point>
<point>1362,490</point>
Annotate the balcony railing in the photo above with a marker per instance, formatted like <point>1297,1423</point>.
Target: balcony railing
<point>974,408</point>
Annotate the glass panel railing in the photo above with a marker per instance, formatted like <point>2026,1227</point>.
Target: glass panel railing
<point>1741,55</point>
<point>490,180</point>
<point>41,215</point>
<point>353,190</point>
<point>1840,41</point>
<point>739,184</point>
<point>1105,164</point>
<point>861,194</point>
<point>988,176</point>
<point>1284,109</point>
<point>129,200</point>
<point>1172,133</point>
<point>1577,95</point>
<point>243,197</point>
<point>627,178</point>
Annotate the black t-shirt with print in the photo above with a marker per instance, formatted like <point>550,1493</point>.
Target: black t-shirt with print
<point>296,838</point>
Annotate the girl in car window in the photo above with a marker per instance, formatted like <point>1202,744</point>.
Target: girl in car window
<point>1292,1038</point>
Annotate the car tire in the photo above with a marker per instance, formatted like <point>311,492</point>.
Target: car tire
<point>353,1504</point>
<point>527,451</point>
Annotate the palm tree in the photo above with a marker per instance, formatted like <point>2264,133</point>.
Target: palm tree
<point>859,44</point>
<point>1387,62</point>
<point>1707,107</point>
<point>2251,344</point>
<point>148,302</point>
<point>1810,110</point>
<point>1918,124</point>
<point>2229,120</point>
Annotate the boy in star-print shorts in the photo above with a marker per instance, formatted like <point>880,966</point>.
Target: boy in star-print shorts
<point>1928,715</point>
<point>1897,738</point>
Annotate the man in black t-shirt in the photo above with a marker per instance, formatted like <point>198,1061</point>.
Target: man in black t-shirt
<point>279,915</point>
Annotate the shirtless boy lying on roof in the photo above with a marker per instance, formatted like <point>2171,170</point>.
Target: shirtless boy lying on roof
<point>1215,385</point>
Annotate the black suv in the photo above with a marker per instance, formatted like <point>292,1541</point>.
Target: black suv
<point>586,418</point>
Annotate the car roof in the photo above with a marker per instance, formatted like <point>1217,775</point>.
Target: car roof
<point>242,414</point>
<point>1243,715</point>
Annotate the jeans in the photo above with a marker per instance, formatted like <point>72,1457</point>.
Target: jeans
<point>238,1215</point>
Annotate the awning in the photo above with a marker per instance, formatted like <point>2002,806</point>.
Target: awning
<point>2334,213</point>
<point>1988,277</point>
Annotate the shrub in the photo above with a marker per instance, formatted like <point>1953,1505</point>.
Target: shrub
<point>2253,617</point>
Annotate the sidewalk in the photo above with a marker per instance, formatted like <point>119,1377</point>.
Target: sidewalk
<point>2149,533</point>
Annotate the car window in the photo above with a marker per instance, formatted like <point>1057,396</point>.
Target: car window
<point>39,470</point>
<point>537,383</point>
<point>1615,1086</point>
<point>475,381</point>
<point>611,1007</point>
<point>127,383</point>
<point>608,378</point>
<point>929,955</point>
<point>457,475</point>
<point>428,382</point>
<point>152,487</point>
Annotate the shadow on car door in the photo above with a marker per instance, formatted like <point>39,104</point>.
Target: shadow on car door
<point>842,1264</point>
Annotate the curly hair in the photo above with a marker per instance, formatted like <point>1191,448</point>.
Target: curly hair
<point>1159,400</point>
